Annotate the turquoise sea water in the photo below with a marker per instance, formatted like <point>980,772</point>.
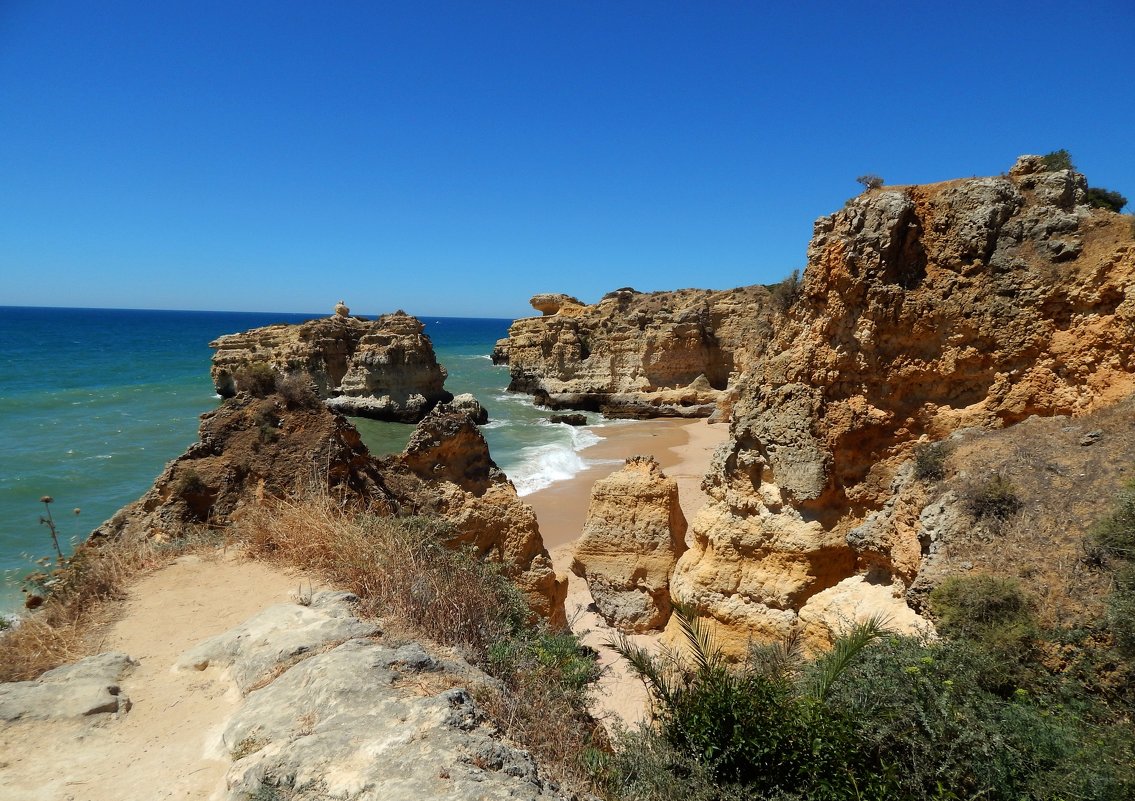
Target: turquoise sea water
<point>94,402</point>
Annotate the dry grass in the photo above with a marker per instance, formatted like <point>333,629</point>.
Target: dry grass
<point>399,568</point>
<point>65,628</point>
<point>1064,489</point>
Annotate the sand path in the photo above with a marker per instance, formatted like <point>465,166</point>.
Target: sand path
<point>168,745</point>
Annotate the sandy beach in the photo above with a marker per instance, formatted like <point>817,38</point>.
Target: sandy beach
<point>684,448</point>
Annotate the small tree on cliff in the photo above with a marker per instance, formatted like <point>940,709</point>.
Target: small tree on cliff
<point>870,181</point>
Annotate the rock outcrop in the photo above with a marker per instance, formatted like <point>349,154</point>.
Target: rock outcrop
<point>925,309</point>
<point>632,354</point>
<point>634,534</point>
<point>84,688</point>
<point>248,449</point>
<point>446,471</point>
<point>252,449</point>
<point>384,369</point>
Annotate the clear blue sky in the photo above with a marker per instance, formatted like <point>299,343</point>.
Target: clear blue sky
<point>456,158</point>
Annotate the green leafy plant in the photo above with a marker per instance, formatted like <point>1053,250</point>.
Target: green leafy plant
<point>755,727</point>
<point>1058,160</point>
<point>256,378</point>
<point>1101,198</point>
<point>870,181</point>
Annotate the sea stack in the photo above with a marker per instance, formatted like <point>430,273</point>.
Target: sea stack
<point>384,369</point>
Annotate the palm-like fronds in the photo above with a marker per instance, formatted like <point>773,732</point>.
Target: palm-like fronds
<point>832,664</point>
<point>704,651</point>
<point>659,677</point>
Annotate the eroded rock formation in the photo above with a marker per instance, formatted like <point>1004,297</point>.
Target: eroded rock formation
<point>633,354</point>
<point>446,471</point>
<point>634,534</point>
<point>924,309</point>
<point>384,369</point>
<point>248,449</point>
<point>253,448</point>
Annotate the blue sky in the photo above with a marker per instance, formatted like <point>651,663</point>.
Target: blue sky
<point>456,158</point>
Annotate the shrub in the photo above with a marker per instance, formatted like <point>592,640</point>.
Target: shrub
<point>1100,198</point>
<point>930,460</point>
<point>995,499</point>
<point>297,390</point>
<point>990,611</point>
<point>870,181</point>
<point>255,378</point>
<point>785,293</point>
<point>928,713</point>
<point>1114,536</point>
<point>1058,160</point>
<point>189,482</point>
<point>754,728</point>
<point>1121,610</point>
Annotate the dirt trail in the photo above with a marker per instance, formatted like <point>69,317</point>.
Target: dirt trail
<point>168,746</point>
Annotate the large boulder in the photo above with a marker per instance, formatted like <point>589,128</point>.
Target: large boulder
<point>88,687</point>
<point>634,534</point>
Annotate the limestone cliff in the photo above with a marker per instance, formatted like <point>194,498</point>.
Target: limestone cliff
<point>634,534</point>
<point>252,448</point>
<point>384,369</point>
<point>633,354</point>
<point>446,471</point>
<point>924,309</point>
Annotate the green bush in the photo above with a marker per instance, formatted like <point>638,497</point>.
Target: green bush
<point>928,713</point>
<point>930,460</point>
<point>256,378</point>
<point>1121,610</point>
<point>994,499</point>
<point>753,728</point>
<point>1114,536</point>
<point>870,181</point>
<point>1058,160</point>
<point>1101,198</point>
<point>990,611</point>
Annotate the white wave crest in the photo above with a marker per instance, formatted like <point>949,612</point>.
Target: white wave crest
<point>543,465</point>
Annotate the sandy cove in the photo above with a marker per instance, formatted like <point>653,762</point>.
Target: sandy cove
<point>684,448</point>
<point>165,746</point>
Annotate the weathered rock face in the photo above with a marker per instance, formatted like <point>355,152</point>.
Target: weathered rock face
<point>88,687</point>
<point>250,448</point>
<point>254,448</point>
<point>446,471</point>
<point>634,534</point>
<point>925,309</point>
<point>662,354</point>
<point>384,369</point>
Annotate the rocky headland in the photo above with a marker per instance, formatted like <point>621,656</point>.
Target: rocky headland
<point>972,304</point>
<point>384,369</point>
<point>253,449</point>
<point>635,354</point>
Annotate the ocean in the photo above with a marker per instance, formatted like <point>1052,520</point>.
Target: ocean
<point>94,402</point>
